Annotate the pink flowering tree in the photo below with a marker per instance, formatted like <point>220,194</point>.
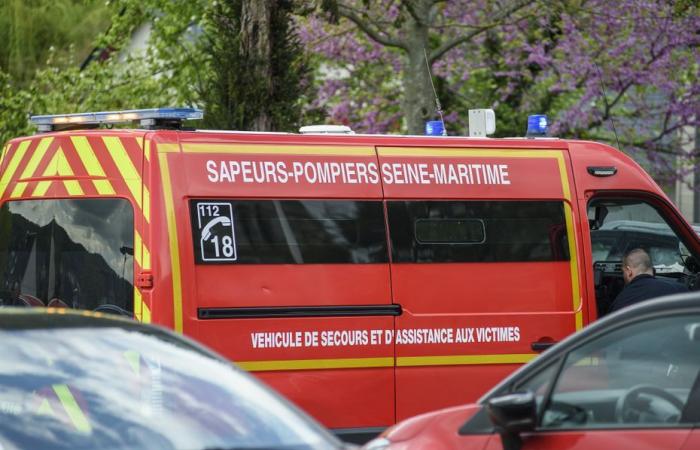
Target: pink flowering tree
<point>622,72</point>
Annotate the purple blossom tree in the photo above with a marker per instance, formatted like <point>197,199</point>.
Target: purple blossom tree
<point>401,40</point>
<point>598,69</point>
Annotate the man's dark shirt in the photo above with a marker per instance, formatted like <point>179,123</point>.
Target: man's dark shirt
<point>643,287</point>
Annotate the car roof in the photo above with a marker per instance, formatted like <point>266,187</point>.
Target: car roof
<point>688,302</point>
<point>12,318</point>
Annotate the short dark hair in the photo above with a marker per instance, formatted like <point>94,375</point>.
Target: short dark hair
<point>641,258</point>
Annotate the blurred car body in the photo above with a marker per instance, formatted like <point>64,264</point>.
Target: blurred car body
<point>72,380</point>
<point>631,380</point>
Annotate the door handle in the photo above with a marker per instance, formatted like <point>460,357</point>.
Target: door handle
<point>541,346</point>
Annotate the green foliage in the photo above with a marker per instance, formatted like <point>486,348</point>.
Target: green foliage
<point>186,62</point>
<point>29,29</point>
<point>246,87</point>
<point>13,113</point>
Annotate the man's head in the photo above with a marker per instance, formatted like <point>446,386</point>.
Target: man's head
<point>636,262</point>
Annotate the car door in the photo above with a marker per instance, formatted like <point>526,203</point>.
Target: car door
<point>633,387</point>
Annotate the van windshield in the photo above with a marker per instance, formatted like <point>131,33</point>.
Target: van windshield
<point>75,253</point>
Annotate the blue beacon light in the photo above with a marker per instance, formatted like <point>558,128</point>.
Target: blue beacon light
<point>537,125</point>
<point>435,128</point>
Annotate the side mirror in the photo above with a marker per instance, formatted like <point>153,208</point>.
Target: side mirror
<point>691,263</point>
<point>601,212</point>
<point>513,414</point>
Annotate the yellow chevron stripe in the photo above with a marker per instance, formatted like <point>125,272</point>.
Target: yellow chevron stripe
<point>73,188</point>
<point>129,173</point>
<point>92,165</point>
<point>145,148</point>
<point>5,148</point>
<point>141,253</point>
<point>41,188</point>
<point>58,166</point>
<point>137,248</point>
<point>138,305</point>
<point>34,161</point>
<point>12,166</point>
<point>19,189</point>
<point>172,239</point>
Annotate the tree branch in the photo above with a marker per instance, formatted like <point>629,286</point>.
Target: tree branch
<point>373,33</point>
<point>495,21</point>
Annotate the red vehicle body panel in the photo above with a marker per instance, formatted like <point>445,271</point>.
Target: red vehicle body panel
<point>440,429</point>
<point>613,439</point>
<point>374,381</point>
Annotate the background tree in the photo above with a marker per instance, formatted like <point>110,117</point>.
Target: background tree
<point>423,32</point>
<point>259,69</point>
<point>545,57</point>
<point>29,30</point>
<point>188,60</point>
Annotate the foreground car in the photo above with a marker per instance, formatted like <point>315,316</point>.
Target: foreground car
<point>632,380</point>
<point>71,380</point>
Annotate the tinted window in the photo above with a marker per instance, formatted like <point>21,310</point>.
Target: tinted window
<point>288,231</point>
<point>74,253</point>
<point>450,231</point>
<point>471,231</point>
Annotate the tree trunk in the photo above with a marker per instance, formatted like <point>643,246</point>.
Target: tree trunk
<point>418,99</point>
<point>256,47</point>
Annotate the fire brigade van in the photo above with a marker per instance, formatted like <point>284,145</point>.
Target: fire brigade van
<point>368,278</point>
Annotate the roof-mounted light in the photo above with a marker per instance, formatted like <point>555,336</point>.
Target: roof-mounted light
<point>148,118</point>
<point>537,125</point>
<point>435,128</point>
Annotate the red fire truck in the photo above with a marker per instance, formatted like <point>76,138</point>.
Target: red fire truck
<point>368,278</point>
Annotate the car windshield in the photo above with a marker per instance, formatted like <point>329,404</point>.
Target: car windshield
<point>119,388</point>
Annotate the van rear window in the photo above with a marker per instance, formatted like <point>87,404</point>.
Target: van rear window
<point>477,231</point>
<point>288,231</point>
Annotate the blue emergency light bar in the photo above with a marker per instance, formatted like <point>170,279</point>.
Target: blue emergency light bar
<point>147,117</point>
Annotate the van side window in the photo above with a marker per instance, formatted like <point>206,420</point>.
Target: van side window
<point>288,231</point>
<point>477,231</point>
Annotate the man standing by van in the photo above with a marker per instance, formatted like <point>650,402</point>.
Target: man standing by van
<point>640,282</point>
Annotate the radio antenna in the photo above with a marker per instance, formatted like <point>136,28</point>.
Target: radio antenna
<point>607,106</point>
<point>438,108</point>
